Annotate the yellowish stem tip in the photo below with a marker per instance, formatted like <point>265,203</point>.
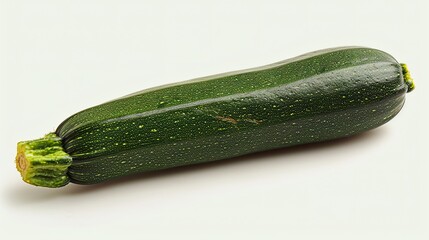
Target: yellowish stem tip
<point>43,162</point>
<point>407,77</point>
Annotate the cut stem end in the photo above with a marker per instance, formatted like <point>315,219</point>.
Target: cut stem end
<point>43,162</point>
<point>407,77</point>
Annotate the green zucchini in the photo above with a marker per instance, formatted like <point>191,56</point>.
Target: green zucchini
<point>318,96</point>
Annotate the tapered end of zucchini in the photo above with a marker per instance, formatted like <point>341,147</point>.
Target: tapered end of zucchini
<point>43,162</point>
<point>407,77</point>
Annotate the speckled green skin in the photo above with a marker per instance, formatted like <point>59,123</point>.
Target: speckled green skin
<point>322,95</point>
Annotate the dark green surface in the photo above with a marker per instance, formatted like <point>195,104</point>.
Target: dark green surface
<point>318,96</point>
<point>324,95</point>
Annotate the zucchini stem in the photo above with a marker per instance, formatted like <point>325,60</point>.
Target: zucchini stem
<point>43,162</point>
<point>407,77</point>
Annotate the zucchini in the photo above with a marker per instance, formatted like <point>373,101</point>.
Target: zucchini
<point>318,96</point>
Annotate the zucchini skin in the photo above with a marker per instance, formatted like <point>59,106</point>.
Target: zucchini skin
<point>320,96</point>
<point>323,95</point>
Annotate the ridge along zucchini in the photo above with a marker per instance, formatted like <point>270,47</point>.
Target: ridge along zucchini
<point>318,96</point>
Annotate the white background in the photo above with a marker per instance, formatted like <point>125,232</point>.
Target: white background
<point>59,57</point>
